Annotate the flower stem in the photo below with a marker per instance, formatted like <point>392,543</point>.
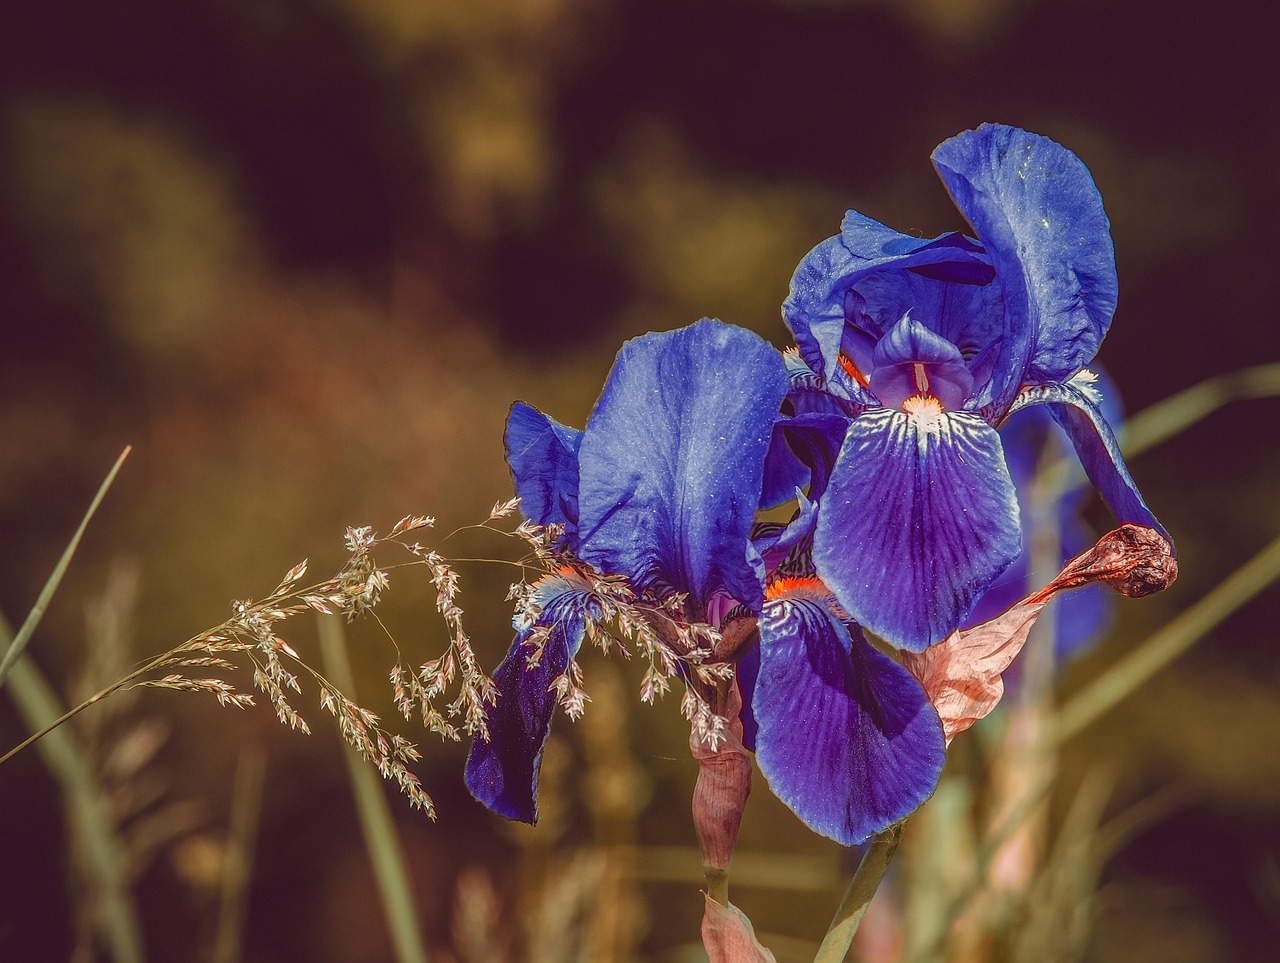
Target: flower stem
<point>862,888</point>
<point>717,881</point>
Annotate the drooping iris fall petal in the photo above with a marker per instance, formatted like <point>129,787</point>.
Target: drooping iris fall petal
<point>919,519</point>
<point>847,738</point>
<point>502,771</point>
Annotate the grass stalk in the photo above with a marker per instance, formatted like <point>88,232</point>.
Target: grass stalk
<point>88,812</point>
<point>19,642</point>
<point>246,809</point>
<point>395,888</point>
<point>1169,642</point>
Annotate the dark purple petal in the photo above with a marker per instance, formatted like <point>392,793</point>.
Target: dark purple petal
<point>543,455</point>
<point>846,737</point>
<point>1040,218</point>
<point>1097,449</point>
<point>919,520</point>
<point>748,672</point>
<point>502,772</point>
<point>784,471</point>
<point>803,452</point>
<point>673,459</point>
<point>969,315</point>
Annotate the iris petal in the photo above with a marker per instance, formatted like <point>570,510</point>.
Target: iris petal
<point>673,459</point>
<point>895,375</point>
<point>502,772</point>
<point>543,456</point>
<point>1097,449</point>
<point>803,451</point>
<point>1040,218</point>
<point>815,309</point>
<point>846,736</point>
<point>919,519</point>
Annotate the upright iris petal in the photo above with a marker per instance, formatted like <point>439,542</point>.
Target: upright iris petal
<point>671,467</point>
<point>912,360</point>
<point>1040,218</point>
<point>543,457</point>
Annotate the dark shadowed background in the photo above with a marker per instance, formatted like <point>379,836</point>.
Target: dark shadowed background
<point>303,255</point>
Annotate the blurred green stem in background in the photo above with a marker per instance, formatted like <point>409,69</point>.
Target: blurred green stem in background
<point>1191,625</point>
<point>1172,416</point>
<point>242,836</point>
<point>395,888</point>
<point>87,809</point>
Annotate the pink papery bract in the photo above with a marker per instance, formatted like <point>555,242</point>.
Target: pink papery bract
<point>728,937</point>
<point>962,673</point>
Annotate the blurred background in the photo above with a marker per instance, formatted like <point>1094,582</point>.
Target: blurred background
<point>303,255</point>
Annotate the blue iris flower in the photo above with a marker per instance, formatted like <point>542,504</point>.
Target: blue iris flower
<point>662,488</point>
<point>927,347</point>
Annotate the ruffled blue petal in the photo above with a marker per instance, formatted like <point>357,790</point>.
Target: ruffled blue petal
<point>968,314</point>
<point>846,737</point>
<point>814,310</point>
<point>918,521</point>
<point>1097,449</point>
<point>673,459</point>
<point>908,272</point>
<point>502,772</point>
<point>1040,218</point>
<point>543,455</point>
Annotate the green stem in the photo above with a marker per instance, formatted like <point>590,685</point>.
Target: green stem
<point>246,809</point>
<point>862,888</point>
<point>717,881</point>
<point>19,641</point>
<point>395,888</point>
